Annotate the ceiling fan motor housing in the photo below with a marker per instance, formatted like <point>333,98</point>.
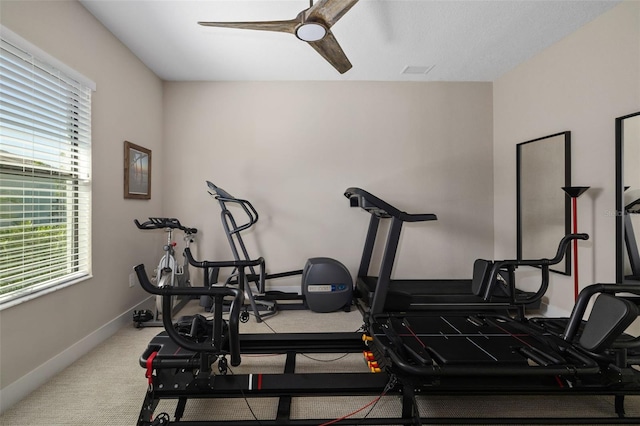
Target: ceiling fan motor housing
<point>311,31</point>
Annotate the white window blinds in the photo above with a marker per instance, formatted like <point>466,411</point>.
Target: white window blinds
<point>45,175</point>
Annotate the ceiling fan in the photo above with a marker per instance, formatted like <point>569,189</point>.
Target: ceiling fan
<point>312,25</point>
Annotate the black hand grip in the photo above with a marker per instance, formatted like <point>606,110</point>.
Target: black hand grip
<point>224,197</point>
<point>564,245</point>
<point>167,291</point>
<point>542,263</point>
<point>562,250</point>
<point>222,264</point>
<point>374,205</point>
<point>219,191</point>
<point>145,225</point>
<point>239,264</point>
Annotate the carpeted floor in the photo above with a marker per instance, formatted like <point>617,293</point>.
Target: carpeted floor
<point>107,386</point>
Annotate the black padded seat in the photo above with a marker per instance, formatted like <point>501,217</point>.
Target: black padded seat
<point>480,278</point>
<point>609,318</point>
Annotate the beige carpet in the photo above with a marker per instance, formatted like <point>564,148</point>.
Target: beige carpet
<point>107,386</point>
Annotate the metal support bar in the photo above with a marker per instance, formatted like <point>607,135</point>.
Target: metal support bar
<point>369,243</point>
<point>386,267</point>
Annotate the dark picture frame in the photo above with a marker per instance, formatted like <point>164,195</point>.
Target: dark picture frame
<point>543,209</point>
<point>137,172</point>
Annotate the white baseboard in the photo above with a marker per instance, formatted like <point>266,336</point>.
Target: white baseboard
<point>16,391</point>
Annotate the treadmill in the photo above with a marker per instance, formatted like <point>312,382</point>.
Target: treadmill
<point>492,285</point>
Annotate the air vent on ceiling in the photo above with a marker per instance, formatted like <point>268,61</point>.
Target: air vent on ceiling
<point>417,70</point>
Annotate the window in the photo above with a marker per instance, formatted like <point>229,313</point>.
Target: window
<point>45,173</point>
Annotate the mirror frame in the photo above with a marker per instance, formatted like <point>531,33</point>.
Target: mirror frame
<point>561,269</point>
<point>620,243</point>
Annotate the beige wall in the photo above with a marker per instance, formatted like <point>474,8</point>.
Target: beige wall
<point>580,84</point>
<point>292,148</point>
<point>126,106</point>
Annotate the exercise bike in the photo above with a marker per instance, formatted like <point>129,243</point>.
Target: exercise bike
<point>168,272</point>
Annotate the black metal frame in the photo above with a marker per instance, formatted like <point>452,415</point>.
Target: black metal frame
<point>372,292</point>
<point>167,224</point>
<point>567,183</point>
<point>233,231</point>
<point>631,244</point>
<point>380,209</point>
<point>557,358</point>
<point>624,243</point>
<point>179,365</point>
<point>181,369</point>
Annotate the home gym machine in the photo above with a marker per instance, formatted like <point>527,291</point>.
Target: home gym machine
<point>489,354</point>
<point>179,360</point>
<point>414,355</point>
<point>492,285</point>
<point>168,272</point>
<point>326,284</point>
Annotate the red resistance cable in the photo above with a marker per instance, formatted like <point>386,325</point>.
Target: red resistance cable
<point>149,373</point>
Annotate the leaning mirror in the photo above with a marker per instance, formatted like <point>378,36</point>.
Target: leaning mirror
<point>543,209</point>
<point>627,198</point>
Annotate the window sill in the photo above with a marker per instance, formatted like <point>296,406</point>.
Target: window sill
<point>10,300</point>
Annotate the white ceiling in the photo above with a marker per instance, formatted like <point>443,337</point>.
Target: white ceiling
<point>461,40</point>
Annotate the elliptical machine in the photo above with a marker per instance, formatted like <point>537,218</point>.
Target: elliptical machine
<point>326,284</point>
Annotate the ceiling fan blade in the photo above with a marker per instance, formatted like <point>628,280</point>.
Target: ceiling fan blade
<point>324,12</point>
<point>278,26</point>
<point>329,11</point>
<point>329,48</point>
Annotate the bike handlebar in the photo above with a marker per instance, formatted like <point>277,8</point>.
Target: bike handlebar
<point>163,223</point>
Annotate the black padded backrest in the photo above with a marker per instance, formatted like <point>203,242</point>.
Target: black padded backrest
<point>481,270</point>
<point>610,317</point>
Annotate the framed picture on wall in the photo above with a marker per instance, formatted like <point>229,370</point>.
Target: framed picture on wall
<point>137,172</point>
